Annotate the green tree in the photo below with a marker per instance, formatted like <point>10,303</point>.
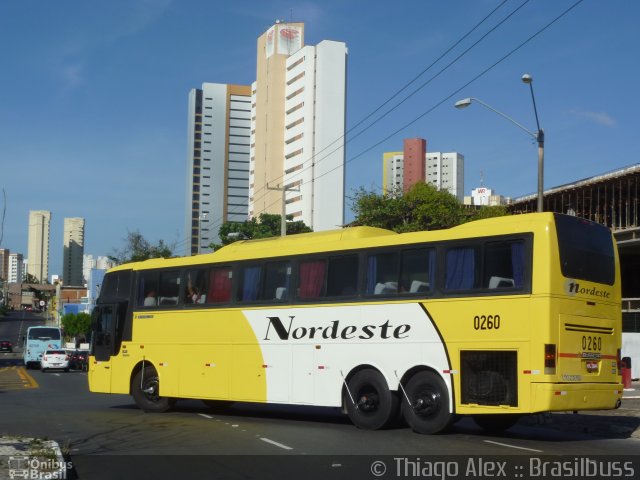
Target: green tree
<point>137,248</point>
<point>265,226</point>
<point>76,325</point>
<point>423,207</point>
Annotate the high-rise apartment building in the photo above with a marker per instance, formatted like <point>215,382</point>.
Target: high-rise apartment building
<point>218,161</point>
<point>443,170</point>
<point>4,263</point>
<point>38,244</point>
<point>16,271</point>
<point>73,238</point>
<point>297,128</point>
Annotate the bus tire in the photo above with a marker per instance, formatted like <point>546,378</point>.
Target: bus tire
<point>145,388</point>
<point>427,408</point>
<point>496,423</point>
<point>375,405</point>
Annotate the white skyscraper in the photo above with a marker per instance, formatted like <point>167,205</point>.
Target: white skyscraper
<point>38,244</point>
<point>298,126</point>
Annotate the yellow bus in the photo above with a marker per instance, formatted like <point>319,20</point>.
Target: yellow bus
<point>494,319</point>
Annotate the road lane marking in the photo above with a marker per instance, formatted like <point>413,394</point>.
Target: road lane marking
<point>514,446</point>
<point>205,415</point>
<point>22,373</point>
<point>265,439</point>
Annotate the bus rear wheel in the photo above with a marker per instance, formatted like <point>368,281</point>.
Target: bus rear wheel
<point>370,404</point>
<point>426,405</point>
<point>145,389</point>
<point>496,423</point>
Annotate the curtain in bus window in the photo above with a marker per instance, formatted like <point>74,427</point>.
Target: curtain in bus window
<point>311,279</point>
<point>372,268</point>
<point>220,285</point>
<point>250,283</point>
<point>460,269</point>
<point>517,262</point>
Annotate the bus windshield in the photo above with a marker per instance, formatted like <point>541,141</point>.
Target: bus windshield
<point>44,334</point>
<point>586,250</point>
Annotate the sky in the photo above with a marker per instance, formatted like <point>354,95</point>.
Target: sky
<point>93,97</point>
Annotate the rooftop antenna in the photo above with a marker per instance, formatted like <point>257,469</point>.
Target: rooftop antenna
<point>481,178</point>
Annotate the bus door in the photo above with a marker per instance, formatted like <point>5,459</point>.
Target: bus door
<point>106,336</point>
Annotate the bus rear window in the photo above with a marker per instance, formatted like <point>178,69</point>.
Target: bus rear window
<point>44,334</point>
<point>586,250</point>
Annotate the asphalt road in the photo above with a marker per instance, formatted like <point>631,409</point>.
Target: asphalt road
<point>107,436</point>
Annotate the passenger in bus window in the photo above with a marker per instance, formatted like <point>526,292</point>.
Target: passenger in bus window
<point>150,299</point>
<point>192,293</point>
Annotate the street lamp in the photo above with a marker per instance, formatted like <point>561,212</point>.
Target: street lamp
<point>538,136</point>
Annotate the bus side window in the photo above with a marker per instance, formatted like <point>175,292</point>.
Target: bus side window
<point>147,289</point>
<point>382,274</point>
<point>417,270</point>
<point>277,279</point>
<point>169,288</point>
<point>311,279</point>
<point>195,287</point>
<point>342,279</point>
<point>219,285</point>
<point>503,265</point>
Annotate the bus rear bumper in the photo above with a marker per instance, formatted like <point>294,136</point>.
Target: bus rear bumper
<point>558,397</point>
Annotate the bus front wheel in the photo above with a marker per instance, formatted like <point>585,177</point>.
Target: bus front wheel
<point>426,405</point>
<point>370,404</point>
<point>145,389</point>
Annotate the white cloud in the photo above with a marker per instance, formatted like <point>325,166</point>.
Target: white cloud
<point>601,118</point>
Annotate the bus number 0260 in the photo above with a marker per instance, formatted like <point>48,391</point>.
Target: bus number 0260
<point>486,322</point>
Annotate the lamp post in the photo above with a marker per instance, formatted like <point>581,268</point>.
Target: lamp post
<point>538,136</point>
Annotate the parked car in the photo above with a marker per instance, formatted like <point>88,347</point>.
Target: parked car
<point>54,359</point>
<point>78,360</point>
<point>6,346</point>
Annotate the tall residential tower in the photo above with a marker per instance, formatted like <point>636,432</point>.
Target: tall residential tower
<point>217,161</point>
<point>73,239</point>
<point>298,127</point>
<point>38,244</point>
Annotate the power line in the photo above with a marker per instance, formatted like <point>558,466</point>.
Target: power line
<point>220,221</point>
<point>403,88</point>
<point>455,92</point>
<point>448,97</point>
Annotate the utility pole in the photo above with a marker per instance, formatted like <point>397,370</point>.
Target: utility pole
<point>283,220</point>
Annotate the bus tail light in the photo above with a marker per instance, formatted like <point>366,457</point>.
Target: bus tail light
<point>619,361</point>
<point>550,359</point>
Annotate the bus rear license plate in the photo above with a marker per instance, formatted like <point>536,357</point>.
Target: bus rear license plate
<point>592,366</point>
